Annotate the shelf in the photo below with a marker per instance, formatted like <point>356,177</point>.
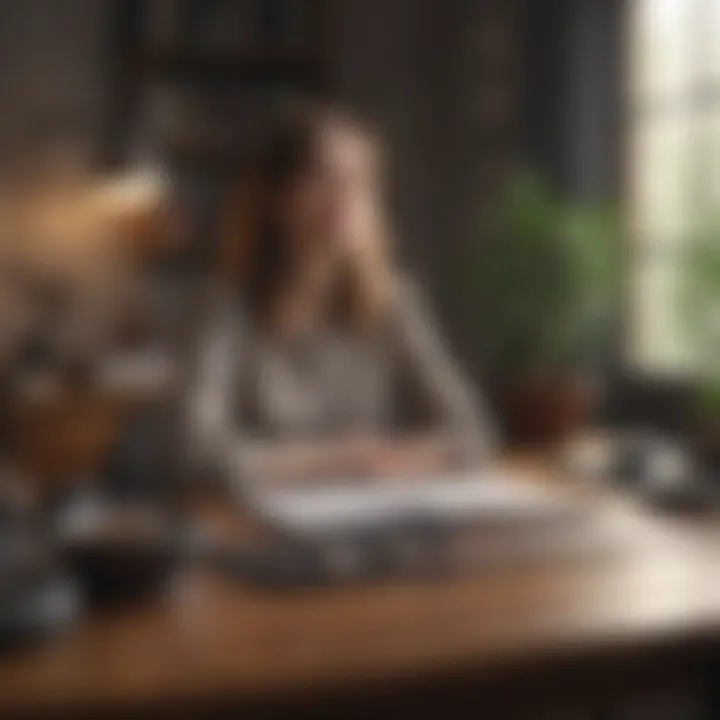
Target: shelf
<point>212,67</point>
<point>286,64</point>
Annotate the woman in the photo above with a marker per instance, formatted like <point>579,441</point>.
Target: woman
<point>323,362</point>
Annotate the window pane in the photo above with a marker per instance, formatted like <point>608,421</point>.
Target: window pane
<point>663,177</point>
<point>674,171</point>
<point>708,30</point>
<point>708,164</point>
<point>656,341</point>
<point>662,48</point>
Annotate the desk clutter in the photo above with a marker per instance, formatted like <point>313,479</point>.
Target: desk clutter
<point>120,538</point>
<point>106,546</point>
<point>664,471</point>
<point>37,594</point>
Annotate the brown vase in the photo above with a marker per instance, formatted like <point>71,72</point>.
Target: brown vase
<point>545,410</point>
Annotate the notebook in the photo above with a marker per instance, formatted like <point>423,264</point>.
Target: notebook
<point>496,498</point>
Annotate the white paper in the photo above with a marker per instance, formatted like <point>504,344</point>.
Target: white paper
<point>492,497</point>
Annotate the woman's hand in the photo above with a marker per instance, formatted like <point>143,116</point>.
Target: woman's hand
<point>352,457</point>
<point>385,457</point>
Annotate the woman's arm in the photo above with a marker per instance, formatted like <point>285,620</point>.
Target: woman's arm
<point>451,414</point>
<point>220,349</point>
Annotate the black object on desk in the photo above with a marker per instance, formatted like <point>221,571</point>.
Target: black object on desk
<point>412,548</point>
<point>663,470</point>
<point>36,602</point>
<point>37,597</point>
<point>118,549</point>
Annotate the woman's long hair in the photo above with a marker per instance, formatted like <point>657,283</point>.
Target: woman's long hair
<point>259,251</point>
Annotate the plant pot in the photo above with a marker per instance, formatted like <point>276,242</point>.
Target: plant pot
<point>544,410</point>
<point>706,447</point>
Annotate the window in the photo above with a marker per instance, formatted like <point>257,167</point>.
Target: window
<point>674,162</point>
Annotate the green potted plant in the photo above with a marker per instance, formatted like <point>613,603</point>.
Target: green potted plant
<point>543,286</point>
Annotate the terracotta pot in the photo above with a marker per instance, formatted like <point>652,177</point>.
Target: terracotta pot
<point>545,410</point>
<point>706,445</point>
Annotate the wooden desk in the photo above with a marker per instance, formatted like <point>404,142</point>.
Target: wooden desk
<point>558,635</point>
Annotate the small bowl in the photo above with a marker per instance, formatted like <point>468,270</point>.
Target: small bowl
<point>36,601</point>
<point>119,551</point>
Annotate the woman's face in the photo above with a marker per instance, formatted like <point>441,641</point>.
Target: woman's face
<point>327,206</point>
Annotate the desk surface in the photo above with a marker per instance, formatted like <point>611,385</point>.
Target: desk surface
<point>212,639</point>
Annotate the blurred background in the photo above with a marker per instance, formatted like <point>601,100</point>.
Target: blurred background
<point>597,109</point>
<point>553,180</point>
<point>467,95</point>
<point>550,177</point>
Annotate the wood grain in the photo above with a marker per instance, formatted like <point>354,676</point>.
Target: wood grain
<point>654,589</point>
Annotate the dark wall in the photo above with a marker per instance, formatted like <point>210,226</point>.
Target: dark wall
<point>572,59</point>
<point>462,90</point>
<point>420,68</point>
<point>54,59</point>
<point>441,79</point>
<point>383,56</point>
